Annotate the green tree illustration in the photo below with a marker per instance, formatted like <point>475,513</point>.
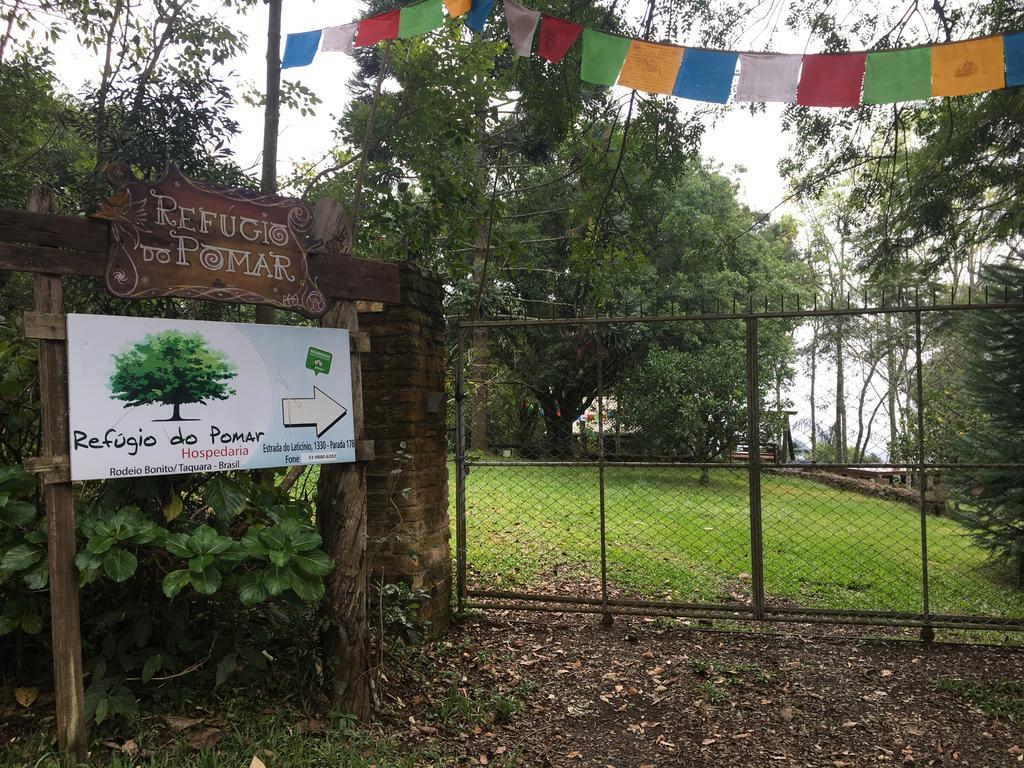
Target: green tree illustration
<point>171,368</point>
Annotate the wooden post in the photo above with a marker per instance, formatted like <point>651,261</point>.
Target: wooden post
<point>341,513</point>
<point>60,512</point>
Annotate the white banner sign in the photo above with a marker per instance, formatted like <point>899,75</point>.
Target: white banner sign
<point>160,397</point>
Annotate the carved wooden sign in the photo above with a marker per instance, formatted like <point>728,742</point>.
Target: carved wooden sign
<point>190,239</point>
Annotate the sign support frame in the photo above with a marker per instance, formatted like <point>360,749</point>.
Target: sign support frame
<point>58,495</point>
<point>49,246</point>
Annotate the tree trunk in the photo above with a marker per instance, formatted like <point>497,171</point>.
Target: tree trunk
<point>559,431</point>
<point>893,382</point>
<point>841,453</point>
<point>341,514</point>
<point>814,373</point>
<point>705,476</point>
<point>176,416</point>
<point>478,352</point>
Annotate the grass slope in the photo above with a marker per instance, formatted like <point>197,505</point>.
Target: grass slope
<point>670,537</point>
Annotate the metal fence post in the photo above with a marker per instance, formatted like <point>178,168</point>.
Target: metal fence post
<point>606,616</point>
<point>460,469</point>
<point>754,470</point>
<point>927,632</point>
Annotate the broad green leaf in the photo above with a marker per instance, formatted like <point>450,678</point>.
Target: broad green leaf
<point>207,582</point>
<point>151,667</point>
<point>251,544</point>
<point>251,589</point>
<point>276,580</point>
<point>274,537</point>
<point>102,707</point>
<point>281,557</point>
<point>174,581</point>
<point>225,496</point>
<point>119,564</point>
<point>315,563</point>
<point>89,566</point>
<point>15,481</point>
<point>199,563</point>
<point>309,588</point>
<point>101,541</point>
<point>20,557</point>
<point>206,541</point>
<point>17,513</point>
<point>123,703</point>
<point>37,576</point>
<point>146,533</point>
<point>177,544</point>
<point>305,540</point>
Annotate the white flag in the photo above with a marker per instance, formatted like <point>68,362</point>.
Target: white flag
<point>340,38</point>
<point>522,23</point>
<point>768,77</point>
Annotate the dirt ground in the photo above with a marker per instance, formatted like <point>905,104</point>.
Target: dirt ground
<point>645,694</point>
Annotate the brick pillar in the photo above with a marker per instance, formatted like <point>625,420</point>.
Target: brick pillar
<point>407,533</point>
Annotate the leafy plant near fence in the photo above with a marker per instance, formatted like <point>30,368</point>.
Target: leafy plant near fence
<point>198,580</point>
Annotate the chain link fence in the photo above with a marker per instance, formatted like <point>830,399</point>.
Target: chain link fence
<point>813,464</point>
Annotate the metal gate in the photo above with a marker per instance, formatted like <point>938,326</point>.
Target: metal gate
<point>662,464</point>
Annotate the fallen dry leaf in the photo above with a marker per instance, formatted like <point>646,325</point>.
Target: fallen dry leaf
<point>256,763</point>
<point>181,723</point>
<point>26,696</point>
<point>205,739</point>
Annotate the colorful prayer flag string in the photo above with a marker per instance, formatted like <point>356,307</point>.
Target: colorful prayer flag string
<point>844,80</point>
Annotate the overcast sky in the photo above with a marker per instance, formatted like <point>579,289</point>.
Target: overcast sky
<point>738,139</point>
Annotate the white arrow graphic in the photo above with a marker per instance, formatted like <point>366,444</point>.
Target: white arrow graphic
<point>321,411</point>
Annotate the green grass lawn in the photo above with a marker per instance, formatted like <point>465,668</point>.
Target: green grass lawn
<point>670,537</point>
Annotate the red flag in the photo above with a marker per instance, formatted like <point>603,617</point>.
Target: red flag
<point>377,28</point>
<point>831,79</point>
<point>556,38</point>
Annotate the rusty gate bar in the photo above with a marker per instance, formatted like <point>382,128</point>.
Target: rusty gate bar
<point>926,614</point>
<point>606,616</point>
<point>927,633</point>
<point>754,472</point>
<point>765,315</point>
<point>460,467</point>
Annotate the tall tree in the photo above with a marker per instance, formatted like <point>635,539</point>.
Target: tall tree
<point>992,500</point>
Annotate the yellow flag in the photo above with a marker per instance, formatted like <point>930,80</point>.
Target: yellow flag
<point>972,66</point>
<point>456,8</point>
<point>651,67</point>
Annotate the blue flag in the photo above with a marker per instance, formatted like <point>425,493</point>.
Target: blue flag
<point>706,75</point>
<point>300,48</point>
<point>1013,49</point>
<point>478,14</point>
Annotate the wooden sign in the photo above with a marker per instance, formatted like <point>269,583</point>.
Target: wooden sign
<point>196,240</point>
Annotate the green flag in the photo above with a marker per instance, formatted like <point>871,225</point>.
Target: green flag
<point>420,18</point>
<point>891,76</point>
<point>602,56</point>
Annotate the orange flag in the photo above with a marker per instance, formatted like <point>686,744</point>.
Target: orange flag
<point>456,8</point>
<point>972,66</point>
<point>651,67</point>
